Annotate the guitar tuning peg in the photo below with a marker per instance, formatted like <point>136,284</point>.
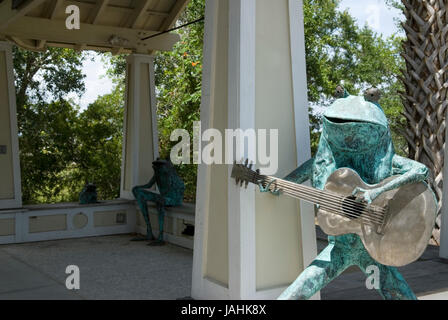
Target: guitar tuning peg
<point>247,184</point>
<point>258,171</point>
<point>241,184</point>
<point>251,165</point>
<point>246,163</point>
<point>237,180</point>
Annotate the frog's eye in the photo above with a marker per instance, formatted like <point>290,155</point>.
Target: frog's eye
<point>339,92</point>
<point>372,95</point>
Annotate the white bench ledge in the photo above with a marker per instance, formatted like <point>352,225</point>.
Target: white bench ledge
<point>186,208</point>
<point>9,211</point>
<point>69,205</point>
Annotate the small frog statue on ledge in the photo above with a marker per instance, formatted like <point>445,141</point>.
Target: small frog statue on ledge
<point>171,188</point>
<point>88,194</point>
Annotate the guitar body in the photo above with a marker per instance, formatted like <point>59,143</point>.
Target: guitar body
<point>411,214</point>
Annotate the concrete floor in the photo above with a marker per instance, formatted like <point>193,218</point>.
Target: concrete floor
<point>428,278</point>
<point>113,267</point>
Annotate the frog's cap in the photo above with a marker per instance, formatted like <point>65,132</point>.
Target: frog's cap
<point>356,108</point>
<point>161,162</point>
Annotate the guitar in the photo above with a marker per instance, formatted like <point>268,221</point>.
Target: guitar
<point>395,228</point>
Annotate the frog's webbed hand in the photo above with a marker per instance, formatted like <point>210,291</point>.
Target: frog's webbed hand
<point>410,171</point>
<point>275,192</point>
<point>299,175</point>
<point>367,195</point>
<point>149,184</point>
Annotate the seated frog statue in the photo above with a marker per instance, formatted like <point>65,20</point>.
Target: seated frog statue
<point>355,135</point>
<point>88,195</point>
<point>171,193</point>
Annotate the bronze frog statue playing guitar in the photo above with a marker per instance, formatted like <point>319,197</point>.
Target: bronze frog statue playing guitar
<point>373,204</point>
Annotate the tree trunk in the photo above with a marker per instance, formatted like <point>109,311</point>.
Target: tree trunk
<point>425,82</point>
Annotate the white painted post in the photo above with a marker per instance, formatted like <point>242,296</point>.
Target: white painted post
<point>10,186</point>
<point>443,253</point>
<point>298,64</point>
<point>140,141</point>
<point>248,82</point>
<point>241,115</point>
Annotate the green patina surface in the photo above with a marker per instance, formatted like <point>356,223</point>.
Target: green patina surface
<point>88,194</point>
<point>355,135</point>
<point>171,193</point>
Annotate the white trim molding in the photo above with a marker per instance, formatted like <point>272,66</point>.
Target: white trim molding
<point>134,128</point>
<point>301,106</point>
<point>443,253</point>
<point>15,202</point>
<point>201,286</point>
<point>241,115</point>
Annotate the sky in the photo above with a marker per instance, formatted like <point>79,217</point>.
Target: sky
<point>96,81</point>
<point>373,12</point>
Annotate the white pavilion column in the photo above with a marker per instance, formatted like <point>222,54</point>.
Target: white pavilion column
<point>443,253</point>
<point>140,142</point>
<point>250,245</point>
<point>10,184</point>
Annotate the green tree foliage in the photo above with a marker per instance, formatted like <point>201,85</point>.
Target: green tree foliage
<point>62,148</point>
<point>72,147</point>
<point>48,75</point>
<point>338,49</point>
<point>178,75</point>
<point>69,148</point>
<point>46,129</point>
<point>47,150</point>
<point>100,134</point>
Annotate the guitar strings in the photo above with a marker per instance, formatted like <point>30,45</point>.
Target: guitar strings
<point>326,193</point>
<point>346,213</point>
<point>353,203</point>
<point>333,207</point>
<point>352,208</point>
<point>379,212</point>
<point>364,220</point>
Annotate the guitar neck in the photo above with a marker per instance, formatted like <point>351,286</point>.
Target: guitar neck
<point>294,190</point>
<point>329,201</point>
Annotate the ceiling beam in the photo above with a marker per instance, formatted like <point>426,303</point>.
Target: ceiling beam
<point>114,8</point>
<point>17,3</point>
<point>97,11</point>
<point>175,12</point>
<point>9,15</point>
<point>25,44</point>
<point>137,14</point>
<point>52,8</point>
<point>91,35</point>
<point>50,12</point>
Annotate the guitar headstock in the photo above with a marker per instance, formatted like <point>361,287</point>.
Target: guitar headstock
<point>243,173</point>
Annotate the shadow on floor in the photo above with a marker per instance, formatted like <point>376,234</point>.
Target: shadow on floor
<point>426,276</point>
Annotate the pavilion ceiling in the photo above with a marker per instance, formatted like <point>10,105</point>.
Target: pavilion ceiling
<point>105,25</point>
